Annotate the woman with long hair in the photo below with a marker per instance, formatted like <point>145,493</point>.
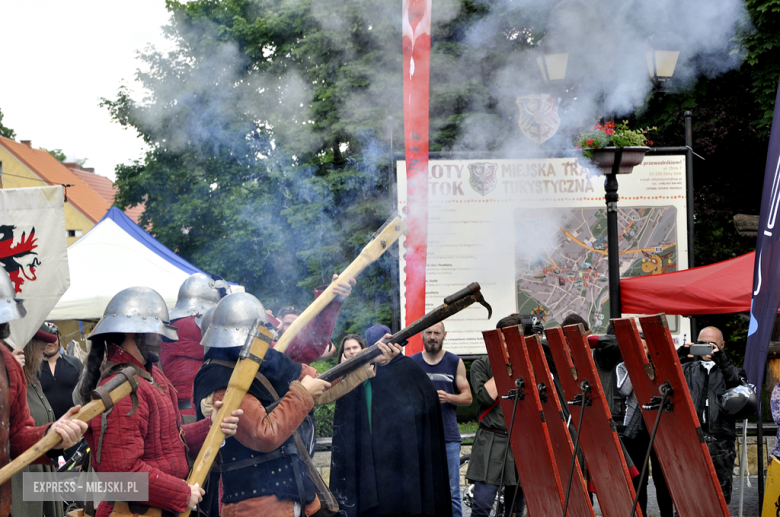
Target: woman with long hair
<point>42,414</point>
<point>351,345</point>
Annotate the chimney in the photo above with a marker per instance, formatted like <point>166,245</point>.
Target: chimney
<point>28,143</point>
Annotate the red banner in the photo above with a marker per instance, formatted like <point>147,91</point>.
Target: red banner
<point>417,71</point>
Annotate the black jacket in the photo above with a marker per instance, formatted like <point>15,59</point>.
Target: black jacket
<point>723,376</point>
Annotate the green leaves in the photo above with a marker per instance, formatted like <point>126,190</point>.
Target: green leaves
<point>6,131</point>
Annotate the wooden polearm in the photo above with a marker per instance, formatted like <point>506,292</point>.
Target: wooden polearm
<point>390,232</point>
<point>124,383</point>
<point>258,342</point>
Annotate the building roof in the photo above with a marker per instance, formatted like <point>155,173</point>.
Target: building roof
<point>105,188</point>
<point>49,169</point>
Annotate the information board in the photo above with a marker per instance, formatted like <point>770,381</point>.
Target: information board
<point>533,233</point>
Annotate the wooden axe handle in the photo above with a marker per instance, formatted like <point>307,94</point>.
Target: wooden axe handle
<point>50,440</point>
<point>239,383</point>
<point>388,234</point>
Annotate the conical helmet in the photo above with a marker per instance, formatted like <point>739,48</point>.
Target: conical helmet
<point>11,308</point>
<point>196,294</point>
<point>139,310</point>
<point>232,320</point>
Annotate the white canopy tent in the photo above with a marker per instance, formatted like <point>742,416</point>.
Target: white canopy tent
<point>114,255</point>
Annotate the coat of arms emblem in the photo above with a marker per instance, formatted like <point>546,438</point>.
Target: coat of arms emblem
<point>482,177</point>
<point>539,118</point>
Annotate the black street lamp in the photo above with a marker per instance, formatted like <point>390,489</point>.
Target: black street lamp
<point>613,245</point>
<point>661,55</point>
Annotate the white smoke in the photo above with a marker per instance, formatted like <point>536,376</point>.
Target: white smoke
<point>607,73</point>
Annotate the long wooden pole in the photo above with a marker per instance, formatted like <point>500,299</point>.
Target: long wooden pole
<point>48,442</point>
<point>239,383</point>
<point>390,232</point>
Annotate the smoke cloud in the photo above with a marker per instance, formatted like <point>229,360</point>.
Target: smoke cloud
<point>607,73</point>
<point>209,95</point>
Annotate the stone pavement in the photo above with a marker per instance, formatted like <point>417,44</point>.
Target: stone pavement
<point>750,507</point>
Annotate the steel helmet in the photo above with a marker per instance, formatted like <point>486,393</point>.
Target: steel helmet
<point>738,403</point>
<point>232,320</point>
<point>205,321</point>
<point>11,308</point>
<point>196,294</point>
<point>139,310</point>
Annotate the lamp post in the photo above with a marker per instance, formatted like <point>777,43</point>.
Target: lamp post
<point>661,55</point>
<point>613,246</point>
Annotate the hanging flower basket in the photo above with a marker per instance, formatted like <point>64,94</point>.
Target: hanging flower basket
<point>605,159</point>
<point>606,143</point>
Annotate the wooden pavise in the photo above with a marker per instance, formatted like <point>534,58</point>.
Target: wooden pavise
<point>679,443</point>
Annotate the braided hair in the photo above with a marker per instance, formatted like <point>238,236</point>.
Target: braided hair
<point>93,364</point>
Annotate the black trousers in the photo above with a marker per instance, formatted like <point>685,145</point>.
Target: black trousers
<point>485,496</point>
<point>723,456</point>
<point>637,448</point>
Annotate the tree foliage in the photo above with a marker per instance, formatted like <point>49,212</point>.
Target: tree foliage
<point>6,131</point>
<point>57,153</point>
<point>268,127</point>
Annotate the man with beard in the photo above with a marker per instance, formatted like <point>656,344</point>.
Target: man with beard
<point>448,375</point>
<point>17,428</point>
<point>388,453</point>
<point>59,372</point>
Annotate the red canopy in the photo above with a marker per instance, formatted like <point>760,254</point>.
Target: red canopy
<point>714,289</point>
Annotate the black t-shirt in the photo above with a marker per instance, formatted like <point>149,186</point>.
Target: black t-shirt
<point>58,388</point>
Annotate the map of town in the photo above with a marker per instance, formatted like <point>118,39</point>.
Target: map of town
<point>561,258</point>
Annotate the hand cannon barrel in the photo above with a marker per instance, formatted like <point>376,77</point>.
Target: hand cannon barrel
<point>453,304</point>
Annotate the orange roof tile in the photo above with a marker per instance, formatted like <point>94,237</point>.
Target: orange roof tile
<point>100,184</point>
<point>107,190</point>
<point>49,169</point>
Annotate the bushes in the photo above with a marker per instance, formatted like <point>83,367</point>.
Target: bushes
<point>323,415</point>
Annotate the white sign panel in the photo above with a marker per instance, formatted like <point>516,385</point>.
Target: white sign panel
<point>533,233</point>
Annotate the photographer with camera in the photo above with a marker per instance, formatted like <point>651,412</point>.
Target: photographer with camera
<point>709,374</point>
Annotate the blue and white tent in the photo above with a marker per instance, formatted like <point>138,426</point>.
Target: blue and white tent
<point>114,255</point>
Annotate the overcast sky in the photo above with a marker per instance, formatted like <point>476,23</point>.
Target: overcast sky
<point>60,57</point>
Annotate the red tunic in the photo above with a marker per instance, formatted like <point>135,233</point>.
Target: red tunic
<point>148,440</point>
<point>22,431</point>
<point>311,341</point>
<point>182,359</point>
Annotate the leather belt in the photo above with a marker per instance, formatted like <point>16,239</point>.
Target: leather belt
<point>491,430</point>
<point>285,451</point>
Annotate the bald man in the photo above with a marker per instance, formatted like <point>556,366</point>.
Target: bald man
<point>708,377</point>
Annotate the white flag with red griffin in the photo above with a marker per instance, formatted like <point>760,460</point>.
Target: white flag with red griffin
<point>33,251</point>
